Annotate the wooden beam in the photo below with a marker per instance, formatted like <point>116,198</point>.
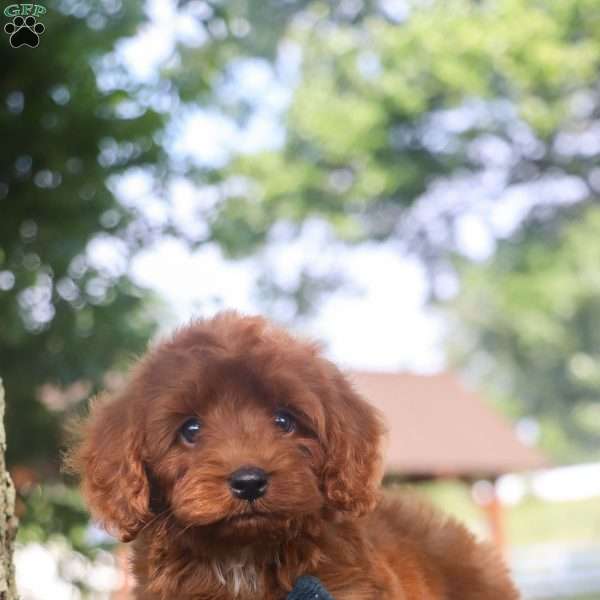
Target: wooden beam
<point>486,495</point>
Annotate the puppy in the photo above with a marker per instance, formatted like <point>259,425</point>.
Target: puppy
<point>239,459</point>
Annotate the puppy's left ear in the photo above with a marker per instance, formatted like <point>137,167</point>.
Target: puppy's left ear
<point>353,465</point>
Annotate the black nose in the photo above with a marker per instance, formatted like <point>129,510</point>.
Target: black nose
<point>248,483</point>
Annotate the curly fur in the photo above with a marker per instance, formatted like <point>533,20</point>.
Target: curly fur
<point>323,513</point>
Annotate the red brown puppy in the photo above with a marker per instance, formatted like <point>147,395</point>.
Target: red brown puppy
<point>238,459</point>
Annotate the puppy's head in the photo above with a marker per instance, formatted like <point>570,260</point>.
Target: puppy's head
<point>232,426</point>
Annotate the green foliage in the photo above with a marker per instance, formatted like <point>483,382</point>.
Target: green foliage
<point>526,325</point>
<point>384,110</point>
<point>55,510</point>
<point>64,318</point>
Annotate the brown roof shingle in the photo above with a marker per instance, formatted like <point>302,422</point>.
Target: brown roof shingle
<point>438,427</point>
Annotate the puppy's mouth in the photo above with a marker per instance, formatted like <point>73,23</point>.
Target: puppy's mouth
<point>254,520</point>
<point>248,517</point>
<point>246,527</point>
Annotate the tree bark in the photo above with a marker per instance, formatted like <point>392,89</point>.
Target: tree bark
<point>8,521</point>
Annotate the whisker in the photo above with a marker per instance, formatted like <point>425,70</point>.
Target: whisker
<point>167,512</point>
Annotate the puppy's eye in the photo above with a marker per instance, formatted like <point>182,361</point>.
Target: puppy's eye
<point>189,431</point>
<point>285,421</point>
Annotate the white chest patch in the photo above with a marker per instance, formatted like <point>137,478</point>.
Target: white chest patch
<point>238,574</point>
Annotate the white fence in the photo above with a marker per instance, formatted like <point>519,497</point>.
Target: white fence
<point>557,571</point>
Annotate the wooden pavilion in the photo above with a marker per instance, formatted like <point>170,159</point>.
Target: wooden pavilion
<point>439,428</point>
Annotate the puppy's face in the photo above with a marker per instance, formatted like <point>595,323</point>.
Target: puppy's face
<point>234,429</point>
<point>233,448</point>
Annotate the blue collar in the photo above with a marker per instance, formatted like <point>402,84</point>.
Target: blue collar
<point>309,588</point>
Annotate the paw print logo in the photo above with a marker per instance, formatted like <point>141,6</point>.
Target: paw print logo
<point>24,32</point>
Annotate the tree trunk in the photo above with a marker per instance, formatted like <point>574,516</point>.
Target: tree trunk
<point>8,521</point>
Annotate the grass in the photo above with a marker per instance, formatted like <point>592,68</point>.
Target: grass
<point>534,521</point>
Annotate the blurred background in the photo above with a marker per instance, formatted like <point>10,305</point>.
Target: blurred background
<point>414,182</point>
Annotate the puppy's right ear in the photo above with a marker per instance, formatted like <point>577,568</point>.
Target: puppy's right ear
<point>108,458</point>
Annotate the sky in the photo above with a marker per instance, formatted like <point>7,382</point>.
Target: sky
<point>384,325</point>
